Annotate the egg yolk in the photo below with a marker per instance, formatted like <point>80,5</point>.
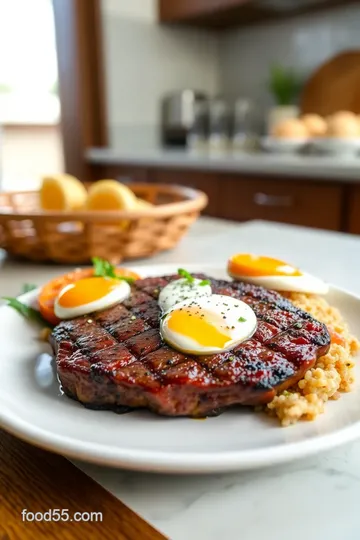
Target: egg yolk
<point>191,324</point>
<point>245,264</point>
<point>86,290</point>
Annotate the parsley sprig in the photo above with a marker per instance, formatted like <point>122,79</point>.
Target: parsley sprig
<point>104,268</point>
<point>190,279</point>
<point>186,275</point>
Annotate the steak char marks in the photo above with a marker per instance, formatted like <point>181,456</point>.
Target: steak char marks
<point>116,358</point>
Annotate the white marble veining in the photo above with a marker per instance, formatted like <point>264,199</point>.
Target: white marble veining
<point>150,154</point>
<point>313,499</point>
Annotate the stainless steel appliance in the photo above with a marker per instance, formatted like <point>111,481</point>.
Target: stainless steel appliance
<point>178,115</point>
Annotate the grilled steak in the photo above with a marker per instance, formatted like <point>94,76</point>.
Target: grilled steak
<point>116,358</point>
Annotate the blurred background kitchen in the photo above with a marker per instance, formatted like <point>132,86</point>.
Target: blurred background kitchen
<point>254,102</point>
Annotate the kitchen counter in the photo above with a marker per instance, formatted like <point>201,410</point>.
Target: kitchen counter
<point>313,499</point>
<point>346,168</point>
<point>277,187</point>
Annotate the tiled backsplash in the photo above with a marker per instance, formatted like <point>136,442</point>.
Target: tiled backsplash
<point>143,61</point>
<point>302,42</point>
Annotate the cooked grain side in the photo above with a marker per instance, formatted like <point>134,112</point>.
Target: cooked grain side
<point>332,374</point>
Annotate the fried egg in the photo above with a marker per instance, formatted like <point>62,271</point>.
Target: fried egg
<point>88,295</point>
<point>208,325</point>
<point>273,274</point>
<point>181,290</point>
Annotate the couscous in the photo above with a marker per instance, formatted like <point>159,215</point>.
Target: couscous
<point>332,374</point>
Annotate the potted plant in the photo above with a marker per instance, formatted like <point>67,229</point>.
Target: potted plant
<point>284,85</point>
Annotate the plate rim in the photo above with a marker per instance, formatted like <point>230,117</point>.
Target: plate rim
<point>177,462</point>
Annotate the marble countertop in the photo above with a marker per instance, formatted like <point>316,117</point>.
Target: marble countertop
<point>311,499</point>
<point>329,168</point>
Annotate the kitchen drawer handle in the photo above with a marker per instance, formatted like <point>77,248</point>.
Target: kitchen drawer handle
<point>262,199</point>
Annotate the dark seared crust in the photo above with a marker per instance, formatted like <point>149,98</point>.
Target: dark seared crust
<point>116,358</point>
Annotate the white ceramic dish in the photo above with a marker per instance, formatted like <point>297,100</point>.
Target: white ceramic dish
<point>336,146</point>
<point>283,146</point>
<point>33,408</point>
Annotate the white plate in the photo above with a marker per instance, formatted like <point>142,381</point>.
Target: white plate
<point>32,407</point>
<point>336,146</point>
<point>283,146</point>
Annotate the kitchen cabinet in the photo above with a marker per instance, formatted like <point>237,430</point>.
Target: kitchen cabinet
<point>241,197</point>
<point>312,204</point>
<point>200,11</point>
<point>206,182</point>
<point>227,13</point>
<point>307,203</point>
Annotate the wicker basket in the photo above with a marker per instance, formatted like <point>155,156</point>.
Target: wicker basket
<point>74,237</point>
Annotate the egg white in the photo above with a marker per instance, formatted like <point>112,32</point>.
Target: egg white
<point>118,294</point>
<point>181,290</point>
<point>215,305</point>
<point>305,283</point>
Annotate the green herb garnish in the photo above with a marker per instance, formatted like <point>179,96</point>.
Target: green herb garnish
<point>104,268</point>
<point>205,282</point>
<point>28,312</point>
<point>186,275</point>
<point>27,287</point>
<point>241,319</point>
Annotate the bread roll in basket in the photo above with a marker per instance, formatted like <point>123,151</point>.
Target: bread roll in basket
<point>75,237</point>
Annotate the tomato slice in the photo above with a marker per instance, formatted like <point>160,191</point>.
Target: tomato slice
<point>51,290</point>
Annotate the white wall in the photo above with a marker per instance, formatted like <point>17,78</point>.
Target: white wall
<point>136,9</point>
<point>143,61</point>
<point>303,43</point>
